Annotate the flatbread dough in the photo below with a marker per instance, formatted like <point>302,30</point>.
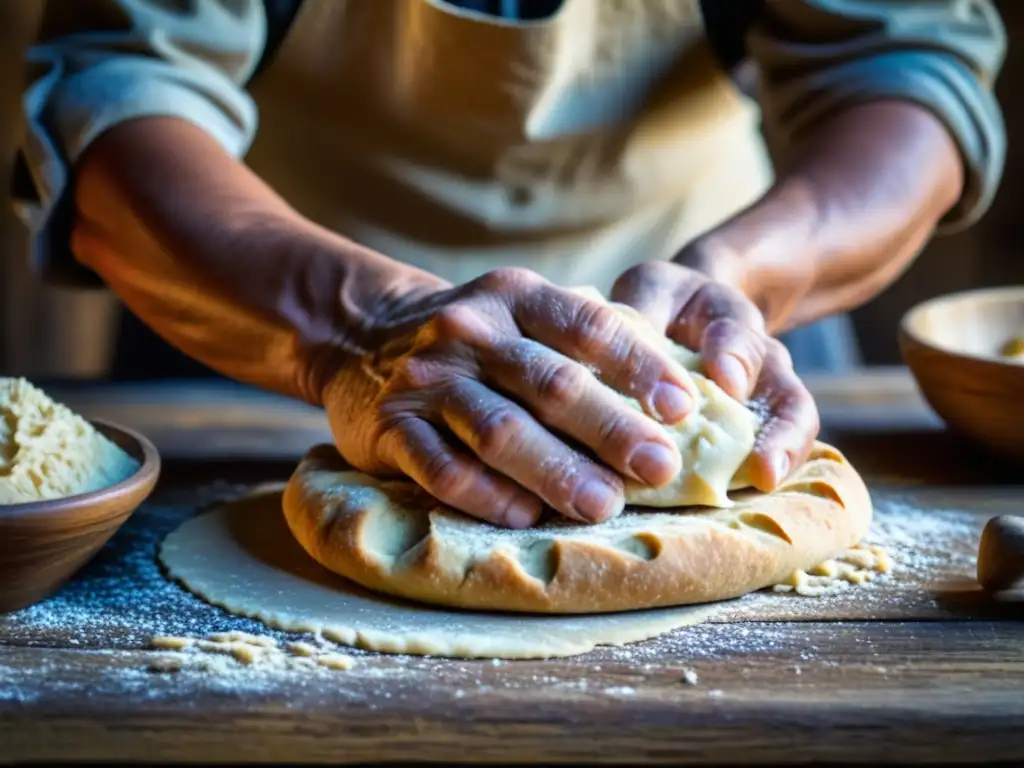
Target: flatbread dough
<point>392,537</point>
<point>715,440</point>
<point>241,557</point>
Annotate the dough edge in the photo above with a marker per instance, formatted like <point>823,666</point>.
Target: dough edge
<point>822,509</point>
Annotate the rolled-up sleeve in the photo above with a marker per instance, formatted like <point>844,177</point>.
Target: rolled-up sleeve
<point>99,63</point>
<point>818,57</point>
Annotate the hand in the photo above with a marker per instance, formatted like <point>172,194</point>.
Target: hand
<point>483,394</point>
<point>737,353</point>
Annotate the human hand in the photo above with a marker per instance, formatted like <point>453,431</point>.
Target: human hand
<point>737,353</point>
<point>486,396</point>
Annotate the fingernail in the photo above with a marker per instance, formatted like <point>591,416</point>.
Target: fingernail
<point>596,501</point>
<point>520,516</point>
<point>654,463</point>
<point>734,375</point>
<point>781,466</point>
<point>671,403</point>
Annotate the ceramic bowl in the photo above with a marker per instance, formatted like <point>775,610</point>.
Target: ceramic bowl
<point>954,346</point>
<point>44,543</point>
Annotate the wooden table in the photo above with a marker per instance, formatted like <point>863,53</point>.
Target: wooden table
<point>74,685</point>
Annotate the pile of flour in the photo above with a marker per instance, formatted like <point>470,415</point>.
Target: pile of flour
<point>48,452</point>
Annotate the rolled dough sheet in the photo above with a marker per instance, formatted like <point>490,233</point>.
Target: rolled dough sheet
<point>242,557</point>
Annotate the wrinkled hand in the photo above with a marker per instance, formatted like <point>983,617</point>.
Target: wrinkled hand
<point>738,355</point>
<point>474,393</point>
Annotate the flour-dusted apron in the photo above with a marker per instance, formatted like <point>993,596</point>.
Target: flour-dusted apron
<point>576,145</point>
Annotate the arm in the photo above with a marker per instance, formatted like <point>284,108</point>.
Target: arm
<point>219,265</point>
<point>135,138</point>
<point>885,129</point>
<point>136,120</point>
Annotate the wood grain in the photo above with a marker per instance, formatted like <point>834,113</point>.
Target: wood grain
<point>864,692</point>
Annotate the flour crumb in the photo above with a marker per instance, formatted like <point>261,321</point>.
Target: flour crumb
<point>690,677</point>
<point>716,693</point>
<point>338,661</point>
<point>242,637</point>
<point>298,648</point>
<point>164,666</point>
<point>169,643</point>
<point>857,566</point>
<point>222,652</point>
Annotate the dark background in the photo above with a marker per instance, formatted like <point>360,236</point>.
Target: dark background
<point>52,333</point>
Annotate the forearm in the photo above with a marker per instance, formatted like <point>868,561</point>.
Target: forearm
<point>220,266</point>
<point>846,218</point>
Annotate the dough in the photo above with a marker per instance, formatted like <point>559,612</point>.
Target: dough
<point>1013,350</point>
<point>392,537</point>
<point>241,557</point>
<point>715,440</point>
<point>48,452</point>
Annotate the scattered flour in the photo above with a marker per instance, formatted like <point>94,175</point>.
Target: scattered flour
<point>121,609</point>
<point>246,648</point>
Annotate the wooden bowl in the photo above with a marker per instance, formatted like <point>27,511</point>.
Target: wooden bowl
<point>43,543</point>
<point>953,347</point>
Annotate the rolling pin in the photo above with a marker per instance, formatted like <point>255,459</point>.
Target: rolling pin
<point>1001,554</point>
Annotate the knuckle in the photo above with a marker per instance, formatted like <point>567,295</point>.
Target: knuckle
<point>644,273</point>
<point>506,279</point>
<point>778,352</point>
<point>617,431</point>
<point>444,477</point>
<point>456,322</point>
<point>414,373</point>
<point>595,329</point>
<point>560,385</point>
<point>498,431</point>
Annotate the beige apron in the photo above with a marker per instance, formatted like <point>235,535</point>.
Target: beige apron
<point>575,146</point>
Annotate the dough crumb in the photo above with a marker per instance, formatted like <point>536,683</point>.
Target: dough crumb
<point>337,661</point>
<point>857,566</point>
<point>165,666</point>
<point>221,652</point>
<point>169,643</point>
<point>242,637</point>
<point>299,648</point>
<point>690,677</point>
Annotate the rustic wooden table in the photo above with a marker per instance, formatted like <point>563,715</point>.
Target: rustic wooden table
<point>882,685</point>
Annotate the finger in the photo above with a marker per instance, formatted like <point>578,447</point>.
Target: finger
<point>510,441</point>
<point>649,289</point>
<point>597,335</point>
<point>791,423</point>
<point>732,355</point>
<point>566,397</point>
<point>728,331</point>
<point>417,449</point>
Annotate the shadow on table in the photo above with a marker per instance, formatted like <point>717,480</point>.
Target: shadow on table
<point>972,602</point>
<point>918,456</point>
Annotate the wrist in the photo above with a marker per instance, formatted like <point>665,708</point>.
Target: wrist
<point>337,297</point>
<point>766,252</point>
